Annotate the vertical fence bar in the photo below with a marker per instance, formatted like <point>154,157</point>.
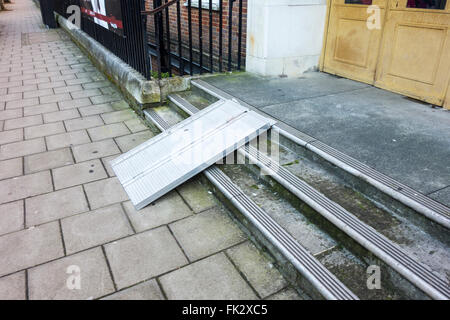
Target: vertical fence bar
<point>200,34</point>
<point>180,44</point>
<point>147,63</point>
<point>230,31</point>
<point>210,37</point>
<point>220,34</point>
<point>169,58</point>
<point>158,39</point>
<point>240,36</point>
<point>190,37</point>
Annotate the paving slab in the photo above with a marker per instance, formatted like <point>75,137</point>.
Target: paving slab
<point>206,233</point>
<point>105,192</point>
<point>105,99</point>
<point>44,130</point>
<point>257,268</point>
<point>12,287</point>
<point>40,109</point>
<point>128,142</point>
<point>10,114</point>
<point>83,123</point>
<point>165,210</point>
<point>95,150</point>
<point>86,93</point>
<point>148,290</point>
<point>37,93</point>
<point>11,168</point>
<point>22,103</point>
<point>48,160</point>
<point>25,186</point>
<point>30,247</point>
<point>78,174</point>
<point>95,109</point>
<point>70,104</point>
<point>197,196</point>
<point>55,205</point>
<point>67,139</point>
<point>61,115</point>
<point>23,122</point>
<point>72,88</point>
<point>96,85</point>
<point>140,257</point>
<point>213,278</point>
<point>135,125</point>
<point>108,131</point>
<point>94,228</point>
<point>118,116</point>
<point>56,280</point>
<point>11,217</point>
<point>55,98</point>
<point>21,148</point>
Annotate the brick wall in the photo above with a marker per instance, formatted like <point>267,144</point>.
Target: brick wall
<point>205,30</point>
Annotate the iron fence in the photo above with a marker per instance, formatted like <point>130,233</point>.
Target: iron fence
<point>210,41</point>
<point>131,47</point>
<point>166,37</point>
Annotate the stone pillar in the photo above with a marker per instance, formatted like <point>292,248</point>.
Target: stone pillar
<point>284,37</point>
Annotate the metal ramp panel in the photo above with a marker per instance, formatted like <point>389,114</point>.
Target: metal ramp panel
<point>162,163</point>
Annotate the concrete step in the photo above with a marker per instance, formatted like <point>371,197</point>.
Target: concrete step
<point>396,259</point>
<point>322,281</point>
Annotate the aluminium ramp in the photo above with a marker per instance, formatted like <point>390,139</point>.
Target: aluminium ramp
<point>159,165</point>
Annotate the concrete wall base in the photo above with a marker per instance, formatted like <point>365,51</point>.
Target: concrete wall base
<point>142,93</point>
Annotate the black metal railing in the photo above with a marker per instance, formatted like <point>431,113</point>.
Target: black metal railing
<point>173,37</point>
<point>176,47</point>
<point>131,46</point>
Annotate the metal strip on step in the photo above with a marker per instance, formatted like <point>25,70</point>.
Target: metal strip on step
<point>420,275</point>
<point>155,167</point>
<point>320,277</point>
<point>422,204</point>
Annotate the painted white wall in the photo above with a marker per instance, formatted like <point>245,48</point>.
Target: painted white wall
<point>284,37</point>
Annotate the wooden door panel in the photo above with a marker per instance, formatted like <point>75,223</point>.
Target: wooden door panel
<point>351,47</point>
<point>352,43</point>
<point>415,55</point>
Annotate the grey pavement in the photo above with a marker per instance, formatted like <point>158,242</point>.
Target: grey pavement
<point>67,228</point>
<point>405,139</point>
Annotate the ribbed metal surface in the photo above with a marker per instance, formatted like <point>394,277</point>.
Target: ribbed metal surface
<point>157,166</point>
<point>324,281</point>
<point>311,268</point>
<point>368,237</point>
<point>427,206</point>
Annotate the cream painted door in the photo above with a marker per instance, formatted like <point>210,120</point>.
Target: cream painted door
<point>415,53</point>
<point>352,47</point>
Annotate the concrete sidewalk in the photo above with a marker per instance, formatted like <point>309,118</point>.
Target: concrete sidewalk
<point>402,138</point>
<point>67,229</point>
